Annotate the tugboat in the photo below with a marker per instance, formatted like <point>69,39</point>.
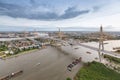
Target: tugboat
<point>16,73</point>
<point>12,75</point>
<point>88,52</point>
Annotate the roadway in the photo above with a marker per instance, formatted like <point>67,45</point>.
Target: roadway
<point>103,51</point>
<point>92,48</point>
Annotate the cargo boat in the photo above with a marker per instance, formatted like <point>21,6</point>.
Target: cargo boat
<point>12,75</point>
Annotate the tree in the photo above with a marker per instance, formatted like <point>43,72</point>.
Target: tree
<point>68,78</point>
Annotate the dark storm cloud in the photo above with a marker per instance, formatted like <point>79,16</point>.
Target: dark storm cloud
<point>71,13</point>
<point>17,11</point>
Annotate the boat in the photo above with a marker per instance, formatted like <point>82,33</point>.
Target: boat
<point>88,52</point>
<point>37,64</point>
<point>75,62</point>
<point>14,74</point>
<point>76,48</point>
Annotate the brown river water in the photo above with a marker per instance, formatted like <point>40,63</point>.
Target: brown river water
<point>45,64</point>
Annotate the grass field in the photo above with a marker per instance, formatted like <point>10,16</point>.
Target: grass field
<point>96,71</point>
<point>111,58</point>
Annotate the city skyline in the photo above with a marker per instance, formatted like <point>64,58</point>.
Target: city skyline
<point>84,15</point>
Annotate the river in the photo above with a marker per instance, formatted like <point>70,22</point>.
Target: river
<point>45,64</point>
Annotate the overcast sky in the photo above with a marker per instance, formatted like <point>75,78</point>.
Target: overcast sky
<point>69,14</point>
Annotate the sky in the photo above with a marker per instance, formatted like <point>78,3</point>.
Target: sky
<point>80,15</point>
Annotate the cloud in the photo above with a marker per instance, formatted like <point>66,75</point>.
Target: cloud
<point>82,14</point>
<point>96,8</point>
<point>71,12</point>
<point>32,2</point>
<point>10,10</point>
<point>39,12</point>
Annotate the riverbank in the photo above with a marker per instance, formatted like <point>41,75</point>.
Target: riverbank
<point>21,53</point>
<point>96,71</point>
<point>16,55</point>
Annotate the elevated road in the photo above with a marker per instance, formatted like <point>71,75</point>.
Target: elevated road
<point>12,39</point>
<point>90,47</point>
<point>103,51</point>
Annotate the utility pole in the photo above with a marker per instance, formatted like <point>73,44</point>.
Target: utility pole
<point>101,44</point>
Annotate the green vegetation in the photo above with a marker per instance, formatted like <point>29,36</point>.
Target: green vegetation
<point>1,54</point>
<point>3,48</point>
<point>111,58</point>
<point>96,71</point>
<point>68,79</point>
<point>80,37</point>
<point>85,38</point>
<point>18,51</point>
<point>118,51</point>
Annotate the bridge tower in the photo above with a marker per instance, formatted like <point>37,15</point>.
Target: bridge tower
<point>60,33</point>
<point>101,44</point>
<point>25,33</point>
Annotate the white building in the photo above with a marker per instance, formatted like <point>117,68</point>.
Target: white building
<point>37,34</point>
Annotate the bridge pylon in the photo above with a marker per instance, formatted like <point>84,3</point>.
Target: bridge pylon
<point>101,44</point>
<point>59,33</point>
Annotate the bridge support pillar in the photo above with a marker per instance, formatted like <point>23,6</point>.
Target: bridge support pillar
<point>101,44</point>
